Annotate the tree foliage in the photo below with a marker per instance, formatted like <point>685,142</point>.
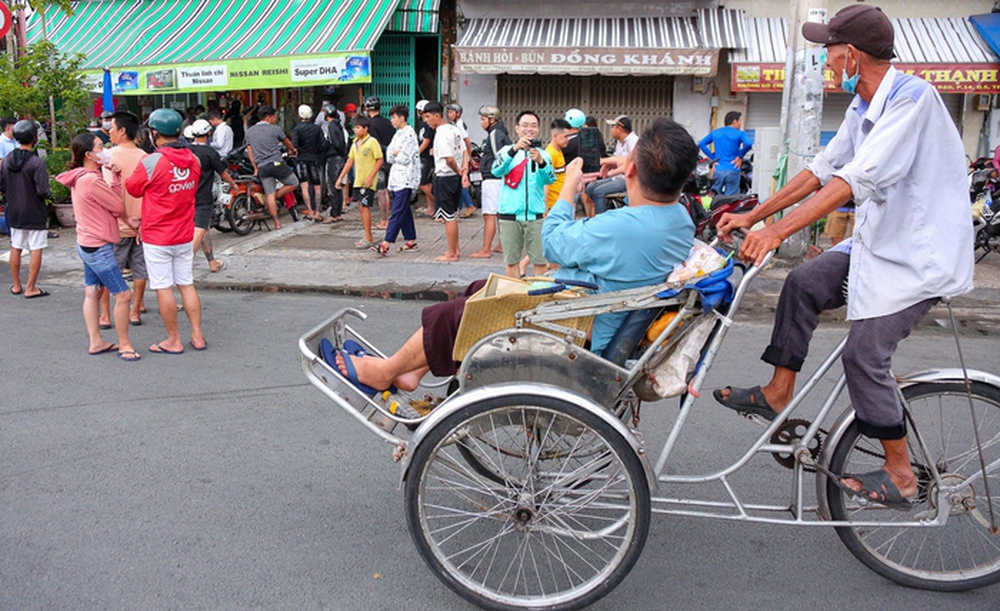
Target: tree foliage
<point>39,72</point>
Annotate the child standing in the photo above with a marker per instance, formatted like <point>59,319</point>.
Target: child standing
<point>366,154</point>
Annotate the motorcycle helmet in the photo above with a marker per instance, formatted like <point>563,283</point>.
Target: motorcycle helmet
<point>305,112</point>
<point>330,109</point>
<point>421,104</point>
<point>189,133</point>
<point>26,132</point>
<point>165,121</point>
<point>372,103</point>
<point>575,117</point>
<point>489,111</point>
<point>200,127</point>
<point>455,106</point>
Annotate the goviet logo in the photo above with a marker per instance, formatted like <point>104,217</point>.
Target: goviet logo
<point>181,174</point>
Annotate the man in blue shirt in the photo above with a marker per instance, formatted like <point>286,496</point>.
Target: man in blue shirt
<point>731,144</point>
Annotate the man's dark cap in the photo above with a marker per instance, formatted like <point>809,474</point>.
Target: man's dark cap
<point>862,25</point>
<point>621,121</point>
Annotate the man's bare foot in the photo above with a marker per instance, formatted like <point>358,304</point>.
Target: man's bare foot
<point>447,258</point>
<point>409,381</point>
<point>371,370</point>
<point>277,223</point>
<point>382,225</point>
<point>481,254</point>
<point>498,248</point>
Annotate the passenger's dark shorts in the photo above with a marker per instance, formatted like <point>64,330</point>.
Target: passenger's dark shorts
<point>128,255</point>
<point>440,328</point>
<point>426,171</point>
<point>308,171</point>
<point>203,215</point>
<point>269,172</point>
<point>447,193</point>
<point>364,197</point>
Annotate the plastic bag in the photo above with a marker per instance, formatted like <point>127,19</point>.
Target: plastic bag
<point>702,260</point>
<point>669,378</point>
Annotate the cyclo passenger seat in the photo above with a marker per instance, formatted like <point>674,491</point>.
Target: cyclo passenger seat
<point>714,290</point>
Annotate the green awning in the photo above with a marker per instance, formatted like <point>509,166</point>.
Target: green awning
<point>208,37</point>
<point>420,16</point>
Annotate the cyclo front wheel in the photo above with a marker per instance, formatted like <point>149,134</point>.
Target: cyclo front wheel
<point>557,518</point>
<point>962,554</point>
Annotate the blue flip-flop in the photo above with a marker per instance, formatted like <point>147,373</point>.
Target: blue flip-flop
<point>329,354</point>
<point>354,348</point>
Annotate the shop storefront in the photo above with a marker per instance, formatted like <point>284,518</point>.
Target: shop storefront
<point>605,66</point>
<point>947,52</point>
<point>183,53</point>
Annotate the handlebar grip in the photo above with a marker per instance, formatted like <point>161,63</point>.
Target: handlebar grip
<point>555,288</point>
<point>579,283</point>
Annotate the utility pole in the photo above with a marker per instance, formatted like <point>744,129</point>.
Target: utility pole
<point>802,102</point>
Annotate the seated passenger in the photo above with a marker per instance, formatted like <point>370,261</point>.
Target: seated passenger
<point>626,248</point>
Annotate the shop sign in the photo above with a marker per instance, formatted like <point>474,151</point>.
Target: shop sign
<point>946,78</point>
<point>260,73</point>
<point>535,60</point>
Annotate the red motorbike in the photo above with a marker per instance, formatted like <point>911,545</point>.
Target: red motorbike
<point>247,208</point>
<point>707,219</point>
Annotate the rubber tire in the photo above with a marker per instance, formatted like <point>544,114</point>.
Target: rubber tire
<point>236,214</point>
<point>851,537</point>
<point>221,223</point>
<point>444,431</point>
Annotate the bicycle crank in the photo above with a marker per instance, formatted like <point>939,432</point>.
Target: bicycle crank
<point>792,431</point>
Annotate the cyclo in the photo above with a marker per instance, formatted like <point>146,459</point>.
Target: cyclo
<point>529,485</point>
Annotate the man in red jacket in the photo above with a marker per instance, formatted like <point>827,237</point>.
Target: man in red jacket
<point>167,181</point>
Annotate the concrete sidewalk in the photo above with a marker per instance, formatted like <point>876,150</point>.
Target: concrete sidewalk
<point>306,256</point>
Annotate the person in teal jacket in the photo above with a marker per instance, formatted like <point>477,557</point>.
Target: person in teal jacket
<point>525,168</point>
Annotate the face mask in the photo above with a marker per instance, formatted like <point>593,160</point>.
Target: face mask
<point>103,157</point>
<point>849,84</point>
<point>106,126</point>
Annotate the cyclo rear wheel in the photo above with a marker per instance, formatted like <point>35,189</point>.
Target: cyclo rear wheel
<point>962,554</point>
<point>556,521</point>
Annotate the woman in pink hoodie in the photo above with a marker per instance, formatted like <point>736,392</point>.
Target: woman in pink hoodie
<point>97,206</point>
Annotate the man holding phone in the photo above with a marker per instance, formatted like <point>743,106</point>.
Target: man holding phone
<point>525,168</point>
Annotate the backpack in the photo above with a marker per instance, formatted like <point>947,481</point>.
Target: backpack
<point>591,149</point>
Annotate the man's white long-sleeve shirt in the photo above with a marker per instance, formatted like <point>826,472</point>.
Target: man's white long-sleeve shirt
<point>905,163</point>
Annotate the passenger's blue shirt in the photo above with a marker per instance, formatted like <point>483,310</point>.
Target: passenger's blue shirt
<point>730,143</point>
<point>620,249</point>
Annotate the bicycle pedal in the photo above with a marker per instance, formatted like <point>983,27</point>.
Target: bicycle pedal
<point>756,418</point>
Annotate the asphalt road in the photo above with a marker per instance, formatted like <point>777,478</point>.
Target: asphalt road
<point>221,480</point>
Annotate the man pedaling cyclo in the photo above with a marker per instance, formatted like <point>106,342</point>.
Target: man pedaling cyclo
<point>602,250</point>
<point>899,156</point>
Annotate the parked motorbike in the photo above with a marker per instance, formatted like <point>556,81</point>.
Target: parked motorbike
<point>221,200</point>
<point>706,220</point>
<point>247,208</point>
<point>986,224</point>
<point>476,175</point>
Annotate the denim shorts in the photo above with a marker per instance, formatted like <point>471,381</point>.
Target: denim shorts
<point>101,269</point>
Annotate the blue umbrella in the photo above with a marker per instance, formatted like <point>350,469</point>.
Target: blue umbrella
<point>108,101</point>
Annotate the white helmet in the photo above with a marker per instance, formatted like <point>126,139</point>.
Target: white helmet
<point>305,112</point>
<point>189,132</point>
<point>421,104</point>
<point>201,127</point>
